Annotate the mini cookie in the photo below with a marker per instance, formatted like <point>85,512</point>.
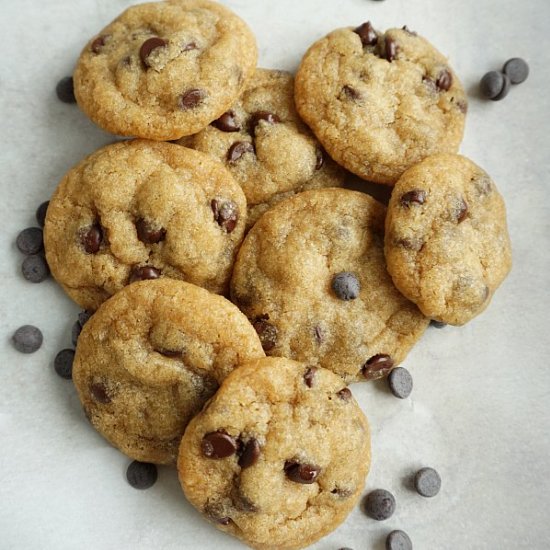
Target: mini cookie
<point>267,148</point>
<point>151,356</point>
<point>163,70</point>
<point>312,279</point>
<point>447,244</point>
<point>380,103</point>
<point>142,210</point>
<point>279,456</point>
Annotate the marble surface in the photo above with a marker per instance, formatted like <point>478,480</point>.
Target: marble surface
<point>480,408</point>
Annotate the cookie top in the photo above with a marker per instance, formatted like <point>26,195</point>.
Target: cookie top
<point>163,70</point>
<point>447,244</point>
<point>312,279</point>
<point>150,357</point>
<point>380,103</point>
<point>142,210</point>
<point>279,456</point>
<point>269,151</point>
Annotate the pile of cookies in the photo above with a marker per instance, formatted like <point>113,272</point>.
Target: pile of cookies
<point>223,232</point>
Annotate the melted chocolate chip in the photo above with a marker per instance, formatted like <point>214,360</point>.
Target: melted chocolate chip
<point>218,445</point>
<point>227,122</point>
<point>444,80</point>
<point>142,273</point>
<point>226,214</point>
<point>344,394</point>
<point>266,331</point>
<point>309,376</point>
<point>238,149</point>
<point>99,393</point>
<point>250,453</point>
<point>417,196</point>
<point>98,44</point>
<point>367,34</point>
<point>148,46</point>
<point>147,234</point>
<point>349,93</point>
<point>91,238</point>
<point>301,473</point>
<point>319,159</point>
<point>461,211</point>
<point>258,116</point>
<point>390,50</point>
<point>191,98</point>
<point>377,366</point>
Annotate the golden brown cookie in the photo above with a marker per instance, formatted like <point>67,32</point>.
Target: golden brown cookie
<point>279,456</point>
<point>447,244</point>
<point>151,356</point>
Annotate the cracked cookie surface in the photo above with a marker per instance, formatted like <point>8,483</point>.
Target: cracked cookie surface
<point>279,456</point>
<point>312,279</point>
<point>143,210</point>
<point>379,103</point>
<point>163,70</point>
<point>447,245</point>
<point>150,357</point>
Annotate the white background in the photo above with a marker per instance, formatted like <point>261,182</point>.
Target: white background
<point>479,412</point>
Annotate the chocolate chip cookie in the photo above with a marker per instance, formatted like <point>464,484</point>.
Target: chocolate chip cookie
<point>151,356</point>
<point>142,210</point>
<point>447,244</point>
<point>163,70</point>
<point>269,151</point>
<point>279,456</point>
<point>379,103</point>
<point>312,279</point>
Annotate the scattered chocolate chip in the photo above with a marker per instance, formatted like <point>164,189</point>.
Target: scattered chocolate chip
<point>309,376</point>
<point>148,46</point>
<point>258,116</point>
<point>141,475</point>
<point>349,93</point>
<point>227,122</point>
<point>91,238</point>
<point>427,482</point>
<point>516,69</point>
<point>319,159</point>
<point>99,393</point>
<point>250,453</point>
<point>495,85</point>
<point>35,268</point>
<point>301,473</point>
<point>218,445</point>
<point>63,363</point>
<point>398,540</point>
<point>27,339</point>
<point>191,98</point>
<point>379,504</point>
<point>344,394</point>
<point>367,34</point>
<point>30,240</point>
<point>377,366</point>
<point>444,80</point>
<point>390,49</point>
<point>143,273</point>
<point>147,233</point>
<point>346,286</point>
<point>226,214</point>
<point>65,90</point>
<point>98,44</point>
<point>416,195</point>
<point>238,149</point>
<point>267,332</point>
<point>400,382</point>
<point>461,211</point>
<point>437,324</point>
<point>41,213</point>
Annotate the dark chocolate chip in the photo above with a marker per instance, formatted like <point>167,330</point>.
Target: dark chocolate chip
<point>41,213</point>
<point>377,366</point>
<point>218,445</point>
<point>99,393</point>
<point>344,394</point>
<point>148,46</point>
<point>391,48</point>
<point>75,332</point>
<point>65,90</point>
<point>141,475</point>
<point>258,116</point>
<point>226,213</point>
<point>227,122</point>
<point>379,504</point>
<point>191,98</point>
<point>144,273</point>
<point>98,44</point>
<point>91,238</point>
<point>27,339</point>
<point>461,211</point>
<point>437,324</point>
<point>417,196</point>
<point>169,352</point>
<point>84,316</point>
<point>238,149</point>
<point>400,382</point>
<point>444,80</point>
<point>250,453</point>
<point>319,159</point>
<point>35,268</point>
<point>223,521</point>
<point>349,93</point>
<point>398,540</point>
<point>427,482</point>
<point>301,473</point>
<point>63,363</point>
<point>267,332</point>
<point>494,85</point>
<point>516,69</point>
<point>309,376</point>
<point>346,286</point>
<point>367,34</point>
<point>148,234</point>
<point>30,240</point>
<point>505,89</point>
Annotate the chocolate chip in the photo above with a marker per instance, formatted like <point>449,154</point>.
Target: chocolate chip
<point>319,159</point>
<point>444,80</point>
<point>41,213</point>
<point>91,238</point>
<point>301,473</point>
<point>216,513</point>
<point>379,504</point>
<point>400,382</point>
<point>240,501</point>
<point>144,273</point>
<point>227,122</point>
<point>141,475</point>
<point>346,286</point>
<point>75,332</point>
<point>495,85</point>
<point>505,89</point>
<point>27,339</point>
<point>148,46</point>
<point>398,540</point>
<point>349,93</point>
<point>84,316</point>
<point>367,34</point>
<point>516,69</point>
<point>223,521</point>
<point>99,392</point>
<point>191,98</point>
<point>258,116</point>
<point>65,90</point>
<point>437,324</point>
<point>390,50</point>
<point>226,213</point>
<point>250,453</point>
<point>35,268</point>
<point>341,492</point>
<point>377,366</point>
<point>63,363</point>
<point>238,149</point>
<point>417,196</point>
<point>30,240</point>
<point>147,233</point>
<point>169,352</point>
<point>189,46</point>
<point>427,482</point>
<point>461,211</point>
<point>218,445</point>
<point>98,44</point>
<point>266,331</point>
<point>319,336</point>
<point>309,376</point>
<point>344,394</point>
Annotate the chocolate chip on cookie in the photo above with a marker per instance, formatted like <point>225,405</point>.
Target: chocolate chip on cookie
<point>309,376</point>
<point>148,46</point>
<point>367,34</point>
<point>218,445</point>
<point>227,122</point>
<point>91,238</point>
<point>238,149</point>
<point>377,366</point>
<point>144,273</point>
<point>250,453</point>
<point>301,473</point>
<point>226,213</point>
<point>149,234</point>
<point>266,331</point>
<point>346,286</point>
